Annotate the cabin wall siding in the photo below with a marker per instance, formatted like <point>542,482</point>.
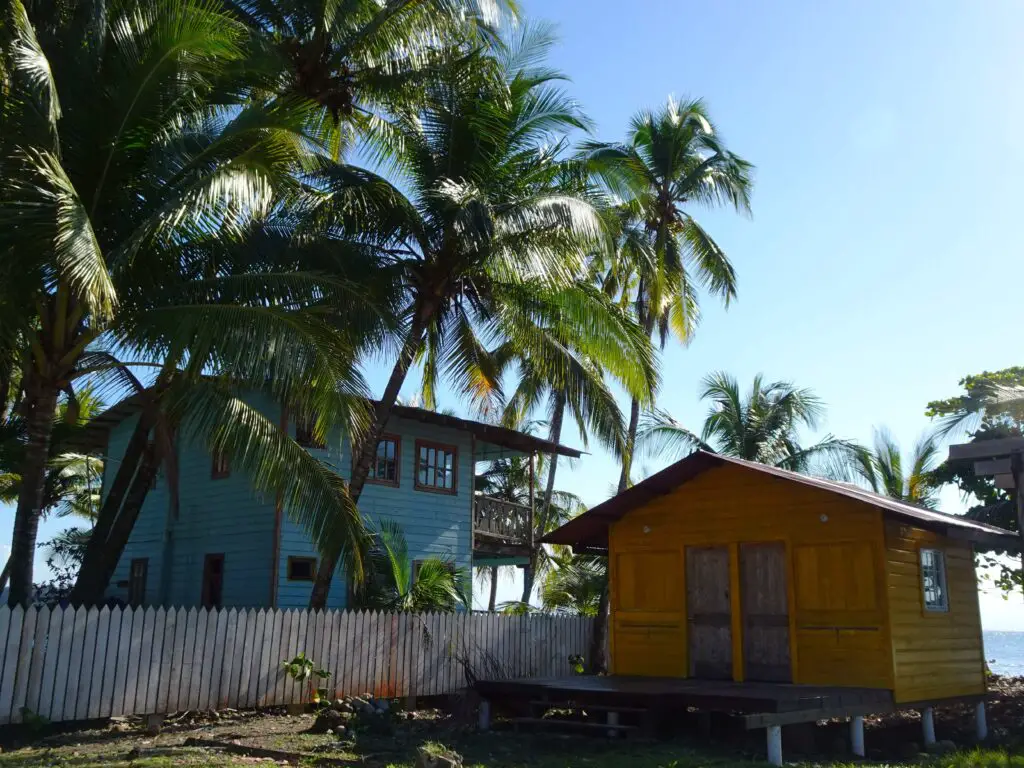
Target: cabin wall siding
<point>226,516</point>
<point>223,516</point>
<point>940,654</point>
<point>840,638</point>
<point>147,536</point>
<point>433,523</point>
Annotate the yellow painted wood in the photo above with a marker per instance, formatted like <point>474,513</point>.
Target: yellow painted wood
<point>856,613</point>
<point>835,548</point>
<point>936,655</point>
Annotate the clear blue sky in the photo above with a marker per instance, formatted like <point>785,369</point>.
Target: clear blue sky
<point>889,150</point>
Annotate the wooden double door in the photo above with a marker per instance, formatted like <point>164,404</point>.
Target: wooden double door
<point>764,605</point>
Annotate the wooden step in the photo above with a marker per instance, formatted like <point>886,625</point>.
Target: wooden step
<point>583,725</point>
<point>588,707</point>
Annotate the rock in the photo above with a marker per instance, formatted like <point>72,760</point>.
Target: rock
<point>338,705</point>
<point>410,715</point>
<point>329,731</point>
<point>346,715</point>
<point>326,720</point>
<point>383,705</point>
<point>908,750</point>
<point>341,730</point>
<point>431,757</point>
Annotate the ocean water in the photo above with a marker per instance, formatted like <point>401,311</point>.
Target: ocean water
<point>1004,652</point>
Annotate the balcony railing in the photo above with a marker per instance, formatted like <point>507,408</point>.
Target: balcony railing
<point>502,520</point>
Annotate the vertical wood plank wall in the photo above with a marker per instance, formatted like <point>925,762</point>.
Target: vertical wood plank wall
<point>64,664</point>
<point>835,553</point>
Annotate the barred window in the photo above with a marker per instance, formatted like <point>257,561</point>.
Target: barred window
<point>933,580</point>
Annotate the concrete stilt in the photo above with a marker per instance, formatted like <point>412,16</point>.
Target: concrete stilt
<point>484,715</point>
<point>980,722</point>
<point>774,744</point>
<point>613,719</point>
<point>857,736</point>
<point>928,726</point>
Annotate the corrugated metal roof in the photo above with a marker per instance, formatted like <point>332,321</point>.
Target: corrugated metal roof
<point>94,437</point>
<point>590,530</point>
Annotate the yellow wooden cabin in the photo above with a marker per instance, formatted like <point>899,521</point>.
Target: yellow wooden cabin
<point>727,569</point>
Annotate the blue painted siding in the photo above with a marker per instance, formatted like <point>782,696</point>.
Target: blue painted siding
<point>434,523</point>
<point>215,517</point>
<point>226,516</point>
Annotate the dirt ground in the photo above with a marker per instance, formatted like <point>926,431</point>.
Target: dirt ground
<point>274,736</point>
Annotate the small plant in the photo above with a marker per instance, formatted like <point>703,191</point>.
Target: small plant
<point>32,722</point>
<point>304,670</point>
<point>576,664</point>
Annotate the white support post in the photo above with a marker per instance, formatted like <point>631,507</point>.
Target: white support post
<point>613,719</point>
<point>774,744</point>
<point>485,715</point>
<point>980,723</point>
<point>857,735</point>
<point>928,726</point>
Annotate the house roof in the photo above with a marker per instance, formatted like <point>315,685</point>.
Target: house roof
<point>589,531</point>
<point>94,436</point>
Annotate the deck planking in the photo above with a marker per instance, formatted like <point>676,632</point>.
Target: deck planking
<point>714,695</point>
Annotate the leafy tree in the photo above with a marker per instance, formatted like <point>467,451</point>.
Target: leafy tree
<point>394,583</point>
<point>574,584</point>
<point>672,161</point>
<point>509,479</point>
<point>883,470</point>
<point>762,426</point>
<point>73,480</point>
<point>130,161</point>
<point>489,242</point>
<point>991,408</point>
<point>355,59</point>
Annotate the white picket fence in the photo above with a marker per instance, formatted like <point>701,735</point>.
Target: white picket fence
<point>65,664</point>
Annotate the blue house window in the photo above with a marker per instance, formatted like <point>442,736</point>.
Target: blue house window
<point>436,465</point>
<point>385,467</point>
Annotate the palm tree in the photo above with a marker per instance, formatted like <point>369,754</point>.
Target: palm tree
<point>395,583</point>
<point>882,469</point>
<point>577,389</point>
<point>763,427</point>
<point>357,58</point>
<point>673,159</point>
<point>128,162</point>
<point>73,481</point>
<point>489,243</point>
<point>574,584</point>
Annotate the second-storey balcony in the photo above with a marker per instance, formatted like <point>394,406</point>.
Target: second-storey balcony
<point>501,528</point>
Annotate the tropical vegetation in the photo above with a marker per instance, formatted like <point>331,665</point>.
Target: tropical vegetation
<point>202,202</point>
<point>394,582</point>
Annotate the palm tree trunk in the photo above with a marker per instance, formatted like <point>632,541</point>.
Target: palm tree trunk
<point>554,435</point>
<point>40,407</point>
<point>368,449</point>
<point>94,559</point>
<point>493,599</point>
<point>599,640</point>
<point>92,583</point>
<point>627,458</point>
<point>5,574</point>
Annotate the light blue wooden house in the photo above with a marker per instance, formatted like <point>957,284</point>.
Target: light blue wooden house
<point>233,547</point>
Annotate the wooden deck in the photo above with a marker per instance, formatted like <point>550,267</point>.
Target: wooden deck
<point>780,702</point>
